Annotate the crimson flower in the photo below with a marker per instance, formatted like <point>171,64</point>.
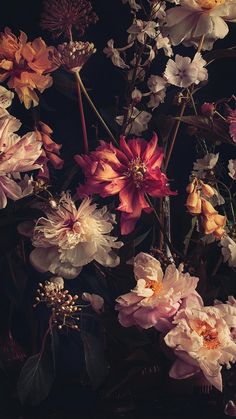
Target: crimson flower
<point>131,171</point>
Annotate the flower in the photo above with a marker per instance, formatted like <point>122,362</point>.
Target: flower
<point>68,238</point>
<point>133,5</point>
<point>232,124</point>
<point>156,83</point>
<point>183,72</point>
<point>17,155</point>
<point>60,16</point>
<point>157,295</point>
<point>51,150</point>
<point>97,302</point>
<point>228,250</point>
<point>138,121</point>
<point>204,165</point>
<point>131,171</point>
<point>141,29</point>
<point>202,341</point>
<point>6,97</point>
<point>208,109</point>
<point>114,54</point>
<point>74,55</point>
<point>26,65</point>
<point>195,19</point>
<point>232,169</point>
<point>164,42</point>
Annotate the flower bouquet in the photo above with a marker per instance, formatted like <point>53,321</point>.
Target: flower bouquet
<point>117,198</point>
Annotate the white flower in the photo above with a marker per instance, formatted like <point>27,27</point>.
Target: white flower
<point>232,169</point>
<point>156,83</point>
<point>158,10</point>
<point>140,29</point>
<point>133,5</point>
<point>136,95</point>
<point>228,250</point>
<point>156,99</point>
<point>96,301</point>
<point>183,72</point>
<point>164,42</point>
<point>6,97</point>
<point>114,55</point>
<point>193,19</point>
<point>201,166</point>
<point>68,238</point>
<point>202,341</point>
<point>138,121</point>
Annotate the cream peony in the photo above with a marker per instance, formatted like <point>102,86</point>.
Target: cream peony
<point>68,238</point>
<point>193,19</point>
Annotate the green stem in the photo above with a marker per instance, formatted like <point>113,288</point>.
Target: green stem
<point>84,90</point>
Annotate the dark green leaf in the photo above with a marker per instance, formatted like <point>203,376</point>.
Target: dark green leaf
<point>36,378</point>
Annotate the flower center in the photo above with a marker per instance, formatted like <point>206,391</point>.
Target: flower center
<point>155,286</point>
<point>210,4</point>
<point>137,170</point>
<point>209,334</point>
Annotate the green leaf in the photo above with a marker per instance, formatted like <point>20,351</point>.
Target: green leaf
<point>96,363</point>
<point>36,378</point>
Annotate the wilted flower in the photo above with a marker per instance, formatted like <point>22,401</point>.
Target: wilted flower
<point>232,169</point>
<point>26,65</point>
<point>228,250</point>
<point>232,124</point>
<point>17,155</point>
<point>51,150</point>
<point>195,19</point>
<point>183,72</point>
<point>96,301</point>
<point>138,121</point>
<point>141,29</point>
<point>6,97</point>
<point>157,295</point>
<point>131,171</point>
<point>133,4</point>
<point>156,83</point>
<point>73,55</point>
<point>202,341</point>
<point>68,238</point>
<point>60,17</point>
<point>114,55</point>
<point>202,166</point>
<point>63,305</point>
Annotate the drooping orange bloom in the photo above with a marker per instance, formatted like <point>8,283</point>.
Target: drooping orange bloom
<point>26,65</point>
<point>197,204</point>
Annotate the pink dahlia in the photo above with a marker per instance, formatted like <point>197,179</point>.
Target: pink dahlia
<point>132,171</point>
<point>157,295</point>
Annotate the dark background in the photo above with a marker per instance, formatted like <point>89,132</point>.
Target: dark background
<point>60,110</point>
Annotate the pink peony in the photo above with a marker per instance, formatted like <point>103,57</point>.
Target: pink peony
<point>131,172</point>
<point>17,154</point>
<point>201,341</point>
<point>157,295</point>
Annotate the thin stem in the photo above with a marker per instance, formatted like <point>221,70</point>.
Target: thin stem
<point>192,100</point>
<point>83,89</point>
<point>169,244</point>
<point>81,108</point>
<point>177,125</point>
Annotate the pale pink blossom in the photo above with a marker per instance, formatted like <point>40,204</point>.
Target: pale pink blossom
<point>6,97</point>
<point>114,55</point>
<point>68,238</point>
<point>163,42</point>
<point>17,155</point>
<point>156,83</point>
<point>141,29</point>
<point>194,19</point>
<point>232,169</point>
<point>201,341</point>
<point>96,301</point>
<point>157,295</point>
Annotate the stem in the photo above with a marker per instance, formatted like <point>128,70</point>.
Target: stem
<point>170,246</point>
<point>192,100</point>
<point>81,108</point>
<point>83,89</point>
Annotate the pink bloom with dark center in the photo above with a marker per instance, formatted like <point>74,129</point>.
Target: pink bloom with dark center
<point>132,171</point>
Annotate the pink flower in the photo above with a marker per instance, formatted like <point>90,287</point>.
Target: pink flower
<point>131,172</point>
<point>17,155</point>
<point>208,109</point>
<point>201,341</point>
<point>157,295</point>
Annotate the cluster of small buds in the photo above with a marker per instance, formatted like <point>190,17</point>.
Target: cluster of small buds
<point>63,305</point>
<point>73,55</point>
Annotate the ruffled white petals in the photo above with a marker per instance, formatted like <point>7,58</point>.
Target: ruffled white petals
<point>71,238</point>
<point>183,72</point>
<point>140,30</point>
<point>146,266</point>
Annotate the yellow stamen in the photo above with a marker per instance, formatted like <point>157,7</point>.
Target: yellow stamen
<point>155,286</point>
<point>209,334</point>
<point>210,4</point>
